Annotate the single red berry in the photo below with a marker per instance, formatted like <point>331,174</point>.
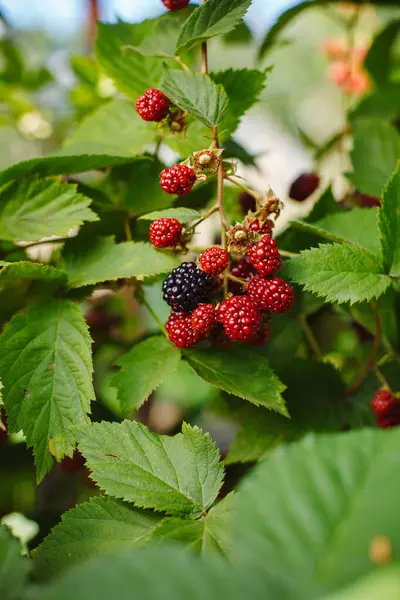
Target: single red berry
<point>367,201</point>
<point>203,319</point>
<point>153,105</point>
<point>304,186</point>
<point>240,317</point>
<point>382,403</point>
<point>214,260</point>
<point>165,232</point>
<point>180,330</point>
<point>273,295</point>
<point>175,4</point>
<point>178,180</point>
<point>265,257</point>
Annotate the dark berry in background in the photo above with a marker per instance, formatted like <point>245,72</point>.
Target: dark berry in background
<point>367,201</point>
<point>186,287</point>
<point>304,186</point>
<point>175,4</point>
<point>247,202</point>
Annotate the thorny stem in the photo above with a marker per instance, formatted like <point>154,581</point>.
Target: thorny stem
<point>153,314</point>
<point>208,214</point>
<point>308,332</point>
<point>374,349</point>
<point>127,229</point>
<point>243,187</point>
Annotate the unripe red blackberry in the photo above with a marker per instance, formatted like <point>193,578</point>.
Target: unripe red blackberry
<point>186,287</point>
<point>261,337</point>
<point>180,331</point>
<point>175,4</point>
<point>153,105</point>
<point>203,319</point>
<point>304,186</point>
<point>179,180</point>
<point>273,295</point>
<point>240,317</point>
<point>387,409</point>
<point>165,232</point>
<point>214,260</point>
<point>265,257</point>
<point>265,228</point>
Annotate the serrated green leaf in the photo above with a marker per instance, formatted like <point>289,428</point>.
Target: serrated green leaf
<point>46,369</point>
<point>179,475</point>
<point>210,535</point>
<point>102,525</point>
<point>316,231</point>
<point>389,224</point>
<point>183,214</point>
<point>343,273</point>
<point>378,60</point>
<point>322,493</point>
<point>14,569</point>
<point>197,94</point>
<point>132,72</point>
<point>215,17</point>
<point>358,225</point>
<point>375,153</point>
<point>160,40</point>
<point>15,271</point>
<point>143,368</point>
<point>33,209</point>
<point>92,261</point>
<point>228,370</point>
<point>234,81</point>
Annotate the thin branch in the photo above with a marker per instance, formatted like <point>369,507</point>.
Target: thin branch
<point>153,314</point>
<point>308,332</point>
<point>206,216</point>
<point>288,254</point>
<point>127,229</point>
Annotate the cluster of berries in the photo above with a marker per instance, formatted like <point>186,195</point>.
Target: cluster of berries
<point>243,315</point>
<point>386,408</point>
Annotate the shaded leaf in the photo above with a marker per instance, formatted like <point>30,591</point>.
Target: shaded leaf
<point>15,271</point>
<point>389,224</point>
<point>182,214</point>
<point>378,59</point>
<point>14,569</point>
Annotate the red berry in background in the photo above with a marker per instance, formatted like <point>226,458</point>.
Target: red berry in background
<point>387,409</point>
<point>175,4</point>
<point>214,260</point>
<point>178,180</point>
<point>304,186</point>
<point>180,331</point>
<point>273,295</point>
<point>153,105</point>
<point>240,317</point>
<point>265,257</point>
<point>367,201</point>
<point>203,319</point>
<point>244,270</point>
<point>261,337</point>
<point>165,232</point>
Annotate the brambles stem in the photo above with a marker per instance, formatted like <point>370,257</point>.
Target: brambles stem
<point>237,279</point>
<point>243,187</point>
<point>127,229</point>
<point>308,332</point>
<point>374,349</point>
<point>288,254</point>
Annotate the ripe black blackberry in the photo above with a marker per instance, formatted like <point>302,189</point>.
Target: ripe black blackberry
<point>186,287</point>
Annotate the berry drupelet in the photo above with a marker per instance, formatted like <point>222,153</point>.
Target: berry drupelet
<point>214,260</point>
<point>304,186</point>
<point>186,287</point>
<point>153,105</point>
<point>179,180</point>
<point>265,257</point>
<point>273,295</point>
<point>203,319</point>
<point>180,330</point>
<point>165,232</point>
<point>175,4</point>
<point>240,317</point>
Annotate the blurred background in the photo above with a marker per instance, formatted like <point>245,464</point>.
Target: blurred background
<point>46,87</point>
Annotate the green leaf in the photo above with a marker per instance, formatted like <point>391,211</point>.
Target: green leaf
<point>234,81</point>
<point>15,271</point>
<point>323,495</point>
<point>14,569</point>
<point>132,72</point>
<point>389,224</point>
<point>228,370</point>
<point>160,40</point>
<point>32,209</point>
<point>317,231</point>
<point>182,214</point>
<point>143,368</point>
<point>197,94</point>
<point>381,103</point>
<point>378,59</point>
<point>100,259</point>
<point>180,475</point>
<point>374,156</point>
<point>46,369</point>
<point>337,273</point>
<point>358,225</point>
<point>215,17</point>
<point>100,526</point>
<point>210,535</point>
<point>325,205</point>
<point>382,583</point>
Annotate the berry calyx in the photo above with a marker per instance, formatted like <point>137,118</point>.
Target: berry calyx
<point>179,180</point>
<point>165,232</point>
<point>180,331</point>
<point>186,287</point>
<point>265,257</point>
<point>153,105</point>
<point>386,408</point>
<point>203,319</point>
<point>273,295</point>
<point>240,317</point>
<point>304,186</point>
<point>214,260</point>
<point>175,4</point>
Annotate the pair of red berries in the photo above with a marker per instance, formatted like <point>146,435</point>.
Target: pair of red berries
<point>387,409</point>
